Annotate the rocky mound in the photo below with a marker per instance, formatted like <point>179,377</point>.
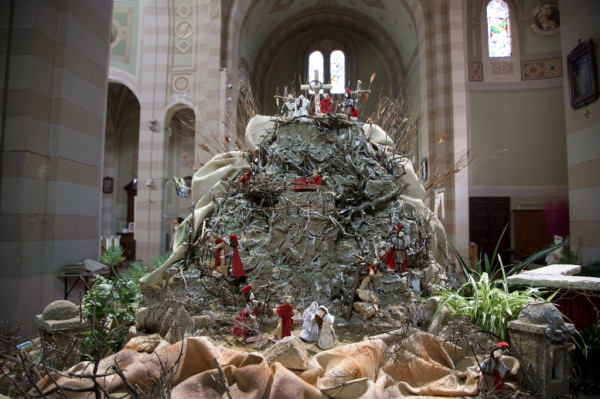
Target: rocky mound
<point>301,239</point>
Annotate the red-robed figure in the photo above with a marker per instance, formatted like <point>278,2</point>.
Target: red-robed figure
<point>245,323</point>
<point>397,254</point>
<point>238,266</point>
<point>220,247</point>
<point>326,104</point>
<point>286,312</point>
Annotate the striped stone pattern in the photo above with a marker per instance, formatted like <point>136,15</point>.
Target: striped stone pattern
<point>153,97</point>
<point>460,195</point>
<point>52,145</point>
<point>583,140</point>
<point>439,97</point>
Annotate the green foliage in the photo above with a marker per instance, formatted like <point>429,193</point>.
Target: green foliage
<point>112,256</point>
<point>158,261</point>
<point>109,308</point>
<point>568,257</point>
<point>487,304</point>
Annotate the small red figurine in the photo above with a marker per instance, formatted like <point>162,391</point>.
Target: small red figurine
<point>302,184</point>
<point>326,104</point>
<point>245,323</point>
<point>238,266</point>
<point>397,254</point>
<point>286,312</point>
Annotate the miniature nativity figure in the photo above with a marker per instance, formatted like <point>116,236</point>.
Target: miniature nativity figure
<point>349,105</point>
<point>493,366</point>
<point>245,324</point>
<point>326,107</point>
<point>324,320</point>
<point>288,108</point>
<point>396,258</point>
<point>310,183</point>
<point>286,313</point>
<point>302,105</point>
<point>238,266</point>
<point>220,264</point>
<point>365,300</point>
<point>310,330</point>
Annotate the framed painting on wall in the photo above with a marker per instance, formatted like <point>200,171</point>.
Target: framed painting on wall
<point>583,77</point>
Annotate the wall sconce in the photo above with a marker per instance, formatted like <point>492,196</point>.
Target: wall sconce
<point>149,182</point>
<point>153,126</point>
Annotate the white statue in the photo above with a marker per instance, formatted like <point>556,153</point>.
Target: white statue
<point>302,105</point>
<point>289,107</point>
<point>310,331</point>
<point>326,333</point>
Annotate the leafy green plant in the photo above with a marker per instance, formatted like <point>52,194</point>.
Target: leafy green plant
<point>112,256</point>
<point>109,308</point>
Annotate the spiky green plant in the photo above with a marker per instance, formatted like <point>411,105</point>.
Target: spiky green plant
<point>488,303</point>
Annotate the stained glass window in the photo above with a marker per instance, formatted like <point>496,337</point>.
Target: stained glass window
<point>498,29</point>
<point>338,71</point>
<point>315,66</point>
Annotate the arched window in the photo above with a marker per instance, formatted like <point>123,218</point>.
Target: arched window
<point>498,29</point>
<point>333,71</point>
<point>337,62</point>
<point>315,67</point>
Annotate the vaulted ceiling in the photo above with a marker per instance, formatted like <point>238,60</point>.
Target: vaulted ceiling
<point>266,18</point>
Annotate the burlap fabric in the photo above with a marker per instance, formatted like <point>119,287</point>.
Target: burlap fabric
<point>391,367</point>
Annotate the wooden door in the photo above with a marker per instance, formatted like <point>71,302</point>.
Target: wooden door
<point>488,216</point>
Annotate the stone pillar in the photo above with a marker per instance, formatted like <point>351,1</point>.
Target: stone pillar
<point>543,350</point>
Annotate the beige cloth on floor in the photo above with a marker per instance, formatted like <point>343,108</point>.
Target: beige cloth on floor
<point>420,365</point>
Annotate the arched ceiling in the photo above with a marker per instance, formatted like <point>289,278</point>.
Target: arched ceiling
<point>264,16</point>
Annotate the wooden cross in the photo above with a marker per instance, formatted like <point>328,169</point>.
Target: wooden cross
<point>316,85</point>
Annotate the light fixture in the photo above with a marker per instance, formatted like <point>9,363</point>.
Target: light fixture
<point>153,126</point>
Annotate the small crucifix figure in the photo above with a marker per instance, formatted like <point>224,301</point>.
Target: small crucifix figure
<point>316,85</point>
<point>352,103</point>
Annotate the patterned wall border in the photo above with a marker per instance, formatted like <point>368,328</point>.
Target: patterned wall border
<point>476,71</point>
<point>541,69</point>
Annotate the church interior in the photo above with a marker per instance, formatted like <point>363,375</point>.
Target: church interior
<point>109,107</point>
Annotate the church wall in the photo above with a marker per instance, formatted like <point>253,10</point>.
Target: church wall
<point>579,20</point>
<point>52,148</point>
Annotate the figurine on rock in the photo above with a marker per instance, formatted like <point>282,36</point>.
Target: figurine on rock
<point>286,313</point>
<point>238,267</point>
<point>350,106</point>
<point>365,299</point>
<point>396,258</point>
<point>310,330</point>
<point>493,366</point>
<point>302,105</point>
<point>325,103</point>
<point>324,321</point>
<point>310,183</point>
<point>220,264</point>
<point>289,107</point>
<point>245,324</point>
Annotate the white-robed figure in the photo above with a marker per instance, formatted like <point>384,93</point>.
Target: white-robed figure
<point>310,331</point>
<point>325,323</point>
<point>289,107</point>
<point>302,105</point>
